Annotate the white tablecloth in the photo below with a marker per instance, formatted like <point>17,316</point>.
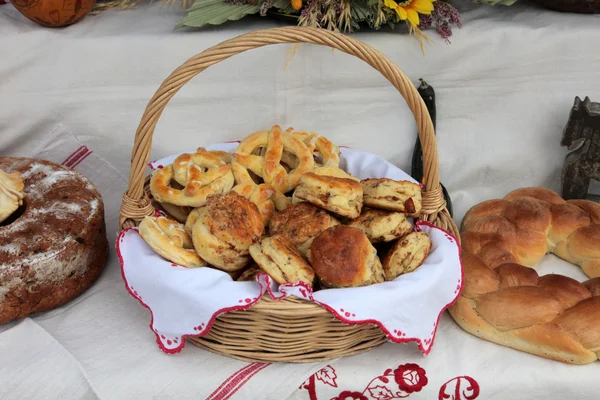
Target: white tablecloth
<point>504,89</point>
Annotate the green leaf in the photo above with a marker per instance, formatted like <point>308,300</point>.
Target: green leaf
<point>362,12</point>
<point>495,2</point>
<point>215,12</point>
<point>373,2</point>
<point>281,4</point>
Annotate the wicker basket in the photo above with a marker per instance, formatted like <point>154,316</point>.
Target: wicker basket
<point>288,330</point>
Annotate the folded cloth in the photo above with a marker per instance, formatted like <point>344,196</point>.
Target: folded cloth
<point>98,346</point>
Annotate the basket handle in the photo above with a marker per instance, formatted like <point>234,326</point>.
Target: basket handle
<point>136,203</point>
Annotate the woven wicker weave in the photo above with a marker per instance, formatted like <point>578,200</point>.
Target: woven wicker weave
<point>288,330</point>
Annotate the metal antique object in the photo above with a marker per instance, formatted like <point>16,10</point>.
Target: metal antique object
<point>582,135</point>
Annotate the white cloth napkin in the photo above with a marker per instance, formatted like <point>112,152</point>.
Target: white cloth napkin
<point>185,301</point>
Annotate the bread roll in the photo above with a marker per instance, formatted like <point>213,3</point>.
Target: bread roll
<point>281,260</point>
<point>388,194</point>
<point>381,225</point>
<point>343,257</point>
<point>225,229</point>
<point>406,255</point>
<point>342,196</point>
<point>301,223</point>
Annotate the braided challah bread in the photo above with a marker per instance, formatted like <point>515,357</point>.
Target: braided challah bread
<point>506,302</point>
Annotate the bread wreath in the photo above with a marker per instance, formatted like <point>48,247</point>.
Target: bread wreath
<point>506,302</point>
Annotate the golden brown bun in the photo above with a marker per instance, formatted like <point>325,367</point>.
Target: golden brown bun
<point>406,255</point>
<point>342,196</point>
<point>280,259</point>
<point>301,223</point>
<point>169,239</point>
<point>388,194</point>
<point>381,225</point>
<point>506,302</point>
<point>342,256</point>
<point>225,229</point>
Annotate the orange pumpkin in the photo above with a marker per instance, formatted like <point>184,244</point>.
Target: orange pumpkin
<point>296,4</point>
<point>54,13</point>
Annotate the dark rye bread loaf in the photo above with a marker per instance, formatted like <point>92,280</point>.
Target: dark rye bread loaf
<point>54,247</point>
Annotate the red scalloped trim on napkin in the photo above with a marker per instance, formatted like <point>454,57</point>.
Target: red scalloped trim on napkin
<point>308,292</point>
<point>207,326</point>
<point>338,315</point>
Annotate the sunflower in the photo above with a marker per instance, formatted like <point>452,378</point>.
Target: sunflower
<point>410,9</point>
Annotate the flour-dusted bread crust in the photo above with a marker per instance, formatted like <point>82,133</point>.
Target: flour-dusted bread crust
<point>343,257</point>
<point>54,247</point>
<point>505,301</point>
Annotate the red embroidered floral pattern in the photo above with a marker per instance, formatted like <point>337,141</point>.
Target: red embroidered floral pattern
<point>410,378</point>
<point>348,395</point>
<point>327,375</point>
<point>395,384</point>
<point>452,389</point>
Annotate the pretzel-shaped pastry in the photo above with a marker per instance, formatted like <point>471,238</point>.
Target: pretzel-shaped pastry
<point>200,174</point>
<point>262,195</point>
<point>268,166</point>
<point>329,152</point>
<point>169,239</point>
<point>505,302</point>
<point>180,213</point>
